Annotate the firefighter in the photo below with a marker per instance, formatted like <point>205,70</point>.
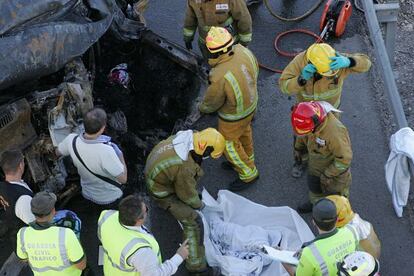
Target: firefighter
<point>327,141</point>
<point>232,92</point>
<point>172,171</point>
<point>203,14</point>
<point>369,240</point>
<point>317,74</point>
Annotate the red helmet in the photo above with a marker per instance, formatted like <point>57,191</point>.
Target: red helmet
<point>306,117</point>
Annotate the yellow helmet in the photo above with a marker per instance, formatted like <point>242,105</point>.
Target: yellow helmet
<point>343,209</point>
<point>209,137</point>
<point>218,39</point>
<point>319,55</point>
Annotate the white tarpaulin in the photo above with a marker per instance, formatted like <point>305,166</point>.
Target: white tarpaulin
<point>235,229</point>
<point>397,168</point>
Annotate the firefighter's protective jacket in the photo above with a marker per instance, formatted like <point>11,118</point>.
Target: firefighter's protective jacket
<point>231,14</point>
<point>233,85</point>
<point>166,174</point>
<point>320,88</point>
<point>329,148</point>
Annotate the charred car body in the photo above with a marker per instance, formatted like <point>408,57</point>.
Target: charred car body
<point>55,60</point>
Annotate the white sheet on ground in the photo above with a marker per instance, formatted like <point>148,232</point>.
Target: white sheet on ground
<point>397,170</point>
<point>235,229</point>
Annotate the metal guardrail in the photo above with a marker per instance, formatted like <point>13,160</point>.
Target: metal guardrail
<point>382,53</point>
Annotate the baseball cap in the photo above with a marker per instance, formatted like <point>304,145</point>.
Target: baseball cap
<point>43,203</point>
<point>324,210</point>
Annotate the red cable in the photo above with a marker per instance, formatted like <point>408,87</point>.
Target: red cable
<point>288,54</point>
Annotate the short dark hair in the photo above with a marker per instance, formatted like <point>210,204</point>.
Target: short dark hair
<point>325,225</point>
<point>324,214</point>
<point>94,120</point>
<point>10,160</point>
<point>130,210</point>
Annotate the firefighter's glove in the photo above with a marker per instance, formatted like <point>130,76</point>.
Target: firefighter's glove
<point>339,62</point>
<point>308,71</point>
<point>189,45</point>
<point>326,181</point>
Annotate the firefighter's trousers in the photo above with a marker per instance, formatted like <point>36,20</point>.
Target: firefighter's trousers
<point>239,146</point>
<point>192,229</point>
<point>340,186</point>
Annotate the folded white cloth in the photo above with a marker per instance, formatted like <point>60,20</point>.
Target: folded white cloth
<point>183,143</point>
<point>397,170</point>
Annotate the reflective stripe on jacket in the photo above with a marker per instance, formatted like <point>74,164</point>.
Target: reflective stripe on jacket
<point>166,174</point>
<point>327,89</point>
<point>233,85</point>
<point>117,249</point>
<point>203,14</point>
<point>319,258</point>
<point>49,251</point>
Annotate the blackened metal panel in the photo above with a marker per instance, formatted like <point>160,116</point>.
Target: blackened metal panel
<point>17,13</point>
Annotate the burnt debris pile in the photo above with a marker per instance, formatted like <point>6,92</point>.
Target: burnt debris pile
<point>144,102</point>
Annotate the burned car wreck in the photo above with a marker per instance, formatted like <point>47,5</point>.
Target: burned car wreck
<point>56,63</point>
<point>60,58</point>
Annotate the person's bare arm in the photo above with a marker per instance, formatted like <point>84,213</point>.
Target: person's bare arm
<point>124,176</point>
<point>290,269</point>
<point>81,265</point>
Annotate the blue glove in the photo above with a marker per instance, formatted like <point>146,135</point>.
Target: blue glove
<point>339,62</point>
<point>308,71</point>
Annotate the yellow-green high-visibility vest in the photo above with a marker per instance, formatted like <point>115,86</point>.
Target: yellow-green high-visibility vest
<point>119,243</point>
<point>49,251</point>
<point>319,258</point>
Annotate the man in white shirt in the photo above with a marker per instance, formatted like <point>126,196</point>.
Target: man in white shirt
<point>100,162</point>
<point>133,250</point>
<point>17,195</point>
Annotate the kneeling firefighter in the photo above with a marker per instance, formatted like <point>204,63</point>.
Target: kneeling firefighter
<point>172,171</point>
<point>232,92</point>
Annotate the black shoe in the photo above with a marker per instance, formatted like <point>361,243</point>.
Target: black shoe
<point>297,170</point>
<point>238,185</point>
<point>305,208</point>
<point>226,165</point>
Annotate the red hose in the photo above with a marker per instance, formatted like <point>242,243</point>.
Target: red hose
<point>284,53</point>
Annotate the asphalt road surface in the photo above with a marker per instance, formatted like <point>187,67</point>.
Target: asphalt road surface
<point>272,132</point>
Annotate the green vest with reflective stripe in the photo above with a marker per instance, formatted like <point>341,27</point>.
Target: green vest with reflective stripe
<point>325,253</point>
<point>119,243</point>
<point>47,251</point>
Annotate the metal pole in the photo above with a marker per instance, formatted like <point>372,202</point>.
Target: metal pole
<point>384,62</point>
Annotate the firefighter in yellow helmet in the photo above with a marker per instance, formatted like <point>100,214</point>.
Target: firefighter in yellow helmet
<point>317,74</point>
<point>203,14</point>
<point>369,241</point>
<point>232,92</point>
<point>171,173</point>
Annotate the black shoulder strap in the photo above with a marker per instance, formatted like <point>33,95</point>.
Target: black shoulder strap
<point>106,179</point>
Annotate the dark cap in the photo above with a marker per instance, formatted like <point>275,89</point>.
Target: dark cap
<point>43,203</point>
<point>324,210</point>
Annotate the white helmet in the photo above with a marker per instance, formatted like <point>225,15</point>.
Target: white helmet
<point>358,263</point>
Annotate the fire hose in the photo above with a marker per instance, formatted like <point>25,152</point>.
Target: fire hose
<point>306,14</point>
<point>276,45</point>
<point>333,21</point>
